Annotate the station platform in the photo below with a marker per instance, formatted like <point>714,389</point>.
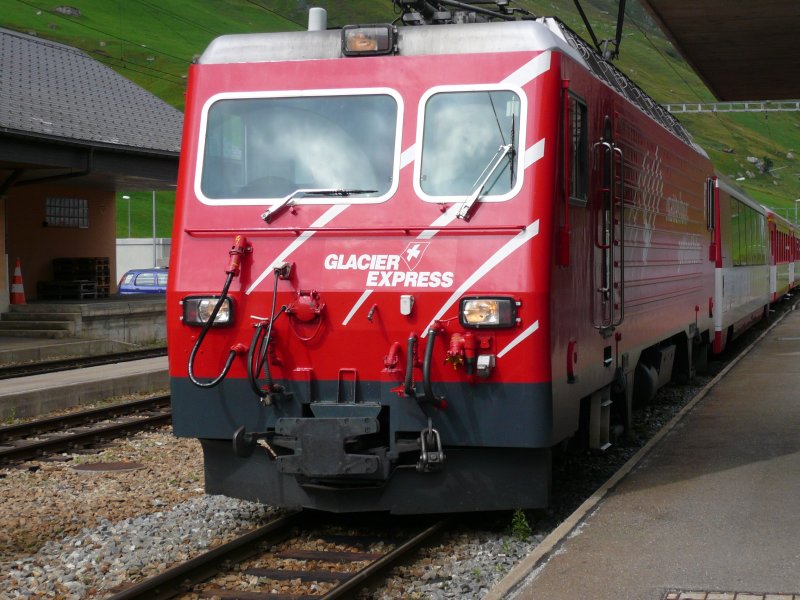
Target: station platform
<point>58,329</point>
<point>32,396</point>
<point>708,510</point>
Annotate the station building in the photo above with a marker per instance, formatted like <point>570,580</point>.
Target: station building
<point>72,132</point>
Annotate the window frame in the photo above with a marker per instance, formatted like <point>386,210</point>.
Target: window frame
<point>326,200</point>
<point>576,100</point>
<point>521,140</point>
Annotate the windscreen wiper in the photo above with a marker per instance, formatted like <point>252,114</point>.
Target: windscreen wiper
<point>466,206</point>
<point>288,200</point>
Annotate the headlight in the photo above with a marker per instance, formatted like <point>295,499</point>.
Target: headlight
<point>197,310</point>
<point>488,312</point>
<point>367,40</point>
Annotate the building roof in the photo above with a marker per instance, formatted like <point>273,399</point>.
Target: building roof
<point>746,50</point>
<point>49,90</point>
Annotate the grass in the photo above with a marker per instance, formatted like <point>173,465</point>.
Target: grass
<point>140,205</point>
<point>153,42</point>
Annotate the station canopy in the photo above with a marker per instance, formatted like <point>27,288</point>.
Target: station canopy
<point>742,49</point>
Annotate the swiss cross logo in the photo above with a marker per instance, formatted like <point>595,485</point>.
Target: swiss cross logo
<point>413,254</point>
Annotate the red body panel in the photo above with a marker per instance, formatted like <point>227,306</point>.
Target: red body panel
<point>204,233</point>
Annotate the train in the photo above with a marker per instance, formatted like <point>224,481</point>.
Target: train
<point>411,261</point>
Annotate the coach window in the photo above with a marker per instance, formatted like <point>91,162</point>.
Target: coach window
<point>469,138</point>
<point>267,146</point>
<point>736,244</point>
<point>578,151</point>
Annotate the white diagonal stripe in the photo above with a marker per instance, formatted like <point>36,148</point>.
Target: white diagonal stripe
<point>408,155</point>
<point>326,217</point>
<point>443,220</point>
<point>504,252</point>
<point>529,71</point>
<point>534,153</point>
<point>357,305</point>
<point>517,340</point>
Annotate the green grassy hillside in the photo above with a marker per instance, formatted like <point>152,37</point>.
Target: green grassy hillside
<point>153,42</point>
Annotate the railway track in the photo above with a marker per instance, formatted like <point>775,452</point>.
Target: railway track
<point>337,564</point>
<point>76,430</point>
<point>67,364</point>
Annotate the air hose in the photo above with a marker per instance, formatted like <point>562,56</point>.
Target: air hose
<point>426,368</point>
<point>208,324</point>
<point>234,265</point>
<point>408,385</point>
<point>258,354</point>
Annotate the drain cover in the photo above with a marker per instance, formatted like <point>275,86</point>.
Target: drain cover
<point>103,467</point>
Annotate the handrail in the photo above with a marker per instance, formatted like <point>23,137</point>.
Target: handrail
<point>297,231</point>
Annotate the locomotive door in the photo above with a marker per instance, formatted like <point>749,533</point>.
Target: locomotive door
<point>608,275</point>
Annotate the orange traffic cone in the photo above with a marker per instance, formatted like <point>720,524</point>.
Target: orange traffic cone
<point>17,291</point>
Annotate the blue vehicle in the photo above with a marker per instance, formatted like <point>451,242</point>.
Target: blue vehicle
<point>144,281</point>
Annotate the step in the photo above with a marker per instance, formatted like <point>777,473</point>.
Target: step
<point>41,316</point>
<point>42,349</point>
<point>43,308</point>
<point>37,333</point>
<point>36,324</point>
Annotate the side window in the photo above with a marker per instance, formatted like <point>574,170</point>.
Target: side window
<point>736,243</point>
<point>748,236</point>
<point>578,154</point>
<point>145,279</point>
<point>470,140</point>
<point>162,279</point>
<point>746,230</point>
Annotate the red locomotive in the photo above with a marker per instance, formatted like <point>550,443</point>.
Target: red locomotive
<point>450,248</point>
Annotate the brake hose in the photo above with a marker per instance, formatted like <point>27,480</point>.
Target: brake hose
<point>234,264</point>
<point>408,384</point>
<point>426,368</point>
<point>209,323</point>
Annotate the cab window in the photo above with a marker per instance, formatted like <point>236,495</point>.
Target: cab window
<point>262,148</point>
<point>470,138</point>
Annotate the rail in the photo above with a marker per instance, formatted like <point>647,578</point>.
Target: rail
<point>55,434</point>
<point>181,578</point>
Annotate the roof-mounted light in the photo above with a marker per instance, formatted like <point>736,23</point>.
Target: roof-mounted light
<point>367,40</point>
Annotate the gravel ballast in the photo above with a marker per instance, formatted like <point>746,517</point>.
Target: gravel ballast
<point>78,535</point>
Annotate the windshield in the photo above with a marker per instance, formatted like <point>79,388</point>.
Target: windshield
<point>268,148</point>
<point>462,134</point>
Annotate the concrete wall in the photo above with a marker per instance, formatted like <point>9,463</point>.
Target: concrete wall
<point>141,320</point>
<point>137,253</point>
<point>37,245</point>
